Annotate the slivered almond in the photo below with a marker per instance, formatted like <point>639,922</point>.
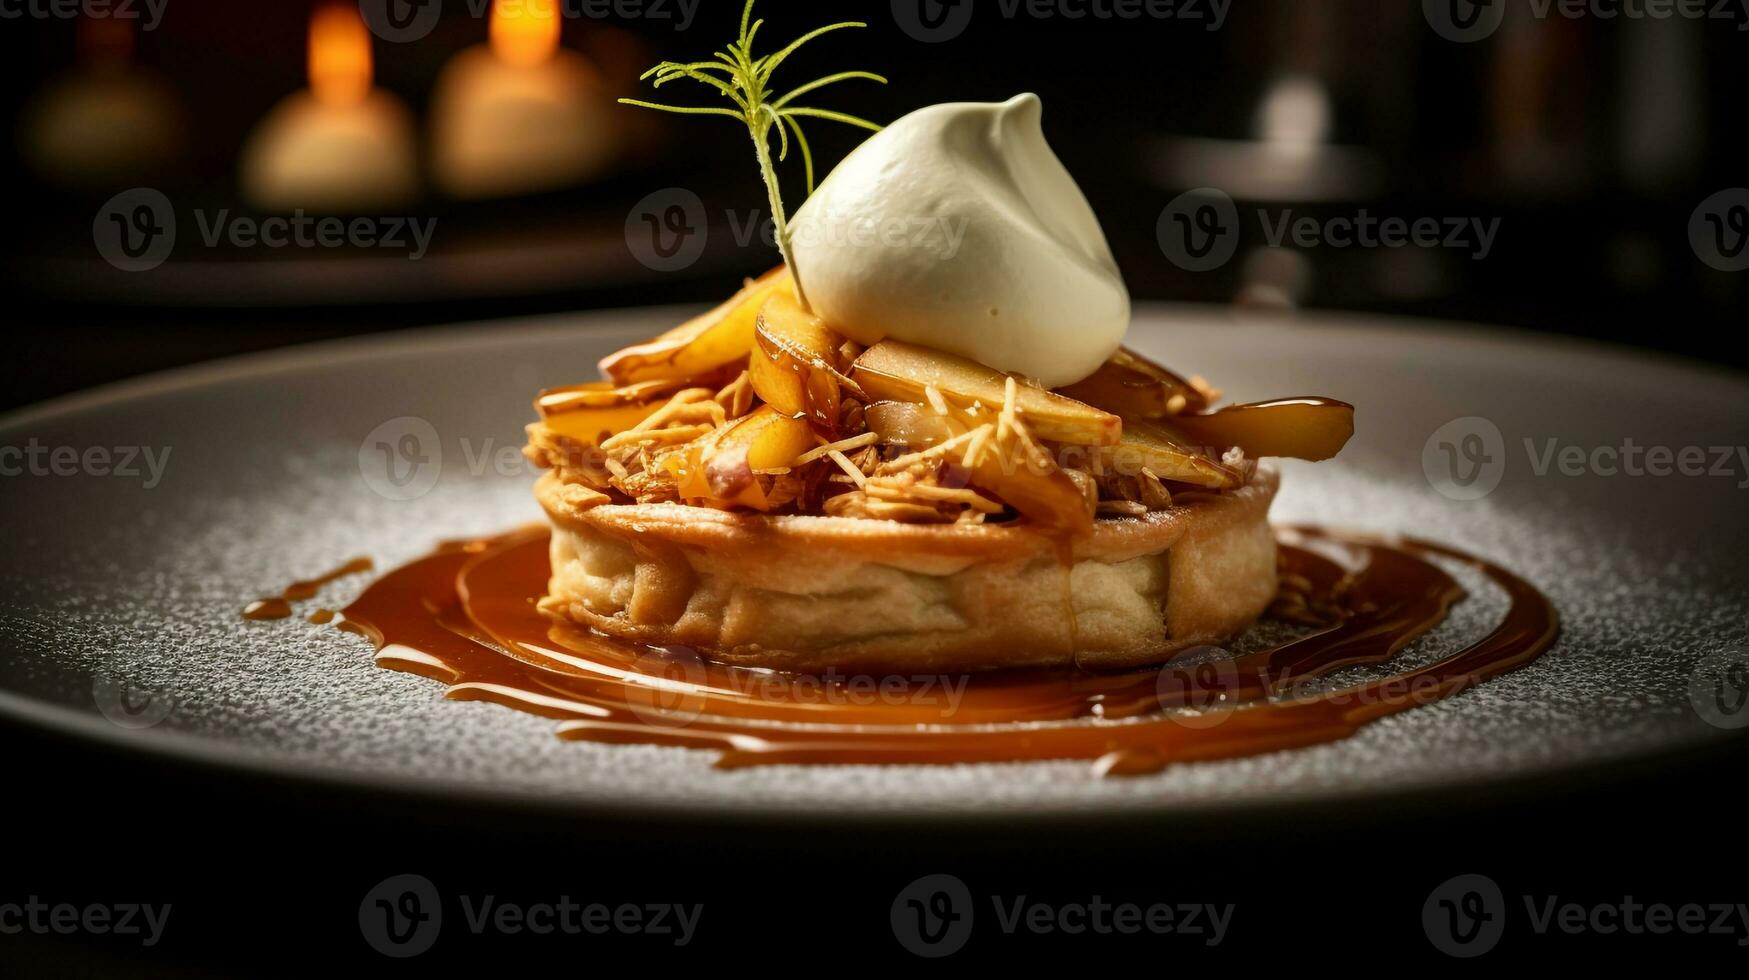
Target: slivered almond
<point>1152,491</point>
<point>950,495</point>
<point>842,446</point>
<point>1005,421</point>
<point>847,466</point>
<point>666,437</point>
<point>662,415</point>
<point>933,452</point>
<point>579,497</point>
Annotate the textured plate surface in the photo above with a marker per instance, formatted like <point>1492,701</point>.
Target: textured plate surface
<point>120,594</point>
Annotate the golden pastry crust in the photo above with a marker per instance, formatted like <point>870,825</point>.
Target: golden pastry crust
<point>810,593</point>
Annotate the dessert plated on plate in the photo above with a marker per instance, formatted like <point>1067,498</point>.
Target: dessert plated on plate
<point>908,498</point>
<point>919,445</point>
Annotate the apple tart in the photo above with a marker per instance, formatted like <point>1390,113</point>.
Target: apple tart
<point>758,487</point>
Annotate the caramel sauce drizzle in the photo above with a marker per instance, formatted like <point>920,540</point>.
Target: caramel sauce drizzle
<point>465,616</point>
<point>279,606</point>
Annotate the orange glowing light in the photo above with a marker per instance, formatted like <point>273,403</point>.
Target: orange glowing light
<point>525,32</point>
<point>340,65</point>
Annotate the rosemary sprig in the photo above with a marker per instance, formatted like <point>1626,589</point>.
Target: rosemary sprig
<point>746,82</point>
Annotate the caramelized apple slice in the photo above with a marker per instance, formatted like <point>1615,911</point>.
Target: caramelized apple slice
<point>1303,428</point>
<point>589,426</point>
<point>589,413</point>
<point>702,344</point>
<point>1030,483</point>
<point>1134,387</point>
<point>792,367</point>
<point>1035,488</point>
<point>902,372</point>
<point>723,467</point>
<point>764,440</point>
<point>603,394</point>
<point>909,424</point>
<point>1169,455</point>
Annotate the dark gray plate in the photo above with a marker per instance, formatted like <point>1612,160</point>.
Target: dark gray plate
<point>120,594</point>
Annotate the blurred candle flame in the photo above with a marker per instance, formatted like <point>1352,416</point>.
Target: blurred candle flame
<point>340,59</point>
<point>525,32</point>
<point>1294,118</point>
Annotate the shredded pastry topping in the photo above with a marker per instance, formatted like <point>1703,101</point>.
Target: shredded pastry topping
<point>759,405</point>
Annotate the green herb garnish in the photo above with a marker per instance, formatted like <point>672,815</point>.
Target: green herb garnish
<point>746,81</point>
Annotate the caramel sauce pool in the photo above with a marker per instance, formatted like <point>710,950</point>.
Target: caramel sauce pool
<point>465,616</point>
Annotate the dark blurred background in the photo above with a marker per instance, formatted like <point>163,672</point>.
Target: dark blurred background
<point>1607,149</point>
<point>1593,141</point>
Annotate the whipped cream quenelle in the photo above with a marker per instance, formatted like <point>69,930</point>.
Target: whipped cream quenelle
<point>957,228</point>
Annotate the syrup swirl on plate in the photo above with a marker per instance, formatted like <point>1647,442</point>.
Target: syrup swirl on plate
<point>279,606</point>
<point>465,615</point>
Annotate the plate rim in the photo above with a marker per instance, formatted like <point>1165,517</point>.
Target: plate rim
<point>451,338</point>
<point>219,756</point>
